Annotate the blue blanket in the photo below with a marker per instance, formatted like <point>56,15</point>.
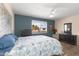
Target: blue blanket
<point>2,52</point>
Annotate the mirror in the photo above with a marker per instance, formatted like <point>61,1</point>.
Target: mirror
<point>68,28</point>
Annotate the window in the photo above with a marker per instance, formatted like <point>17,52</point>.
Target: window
<point>39,27</point>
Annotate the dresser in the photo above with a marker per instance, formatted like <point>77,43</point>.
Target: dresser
<point>71,39</point>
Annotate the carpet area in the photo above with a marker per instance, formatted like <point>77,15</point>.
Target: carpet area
<point>70,50</point>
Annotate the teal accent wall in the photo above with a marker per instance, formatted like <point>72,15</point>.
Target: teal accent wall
<point>21,23</point>
<point>50,25</point>
<point>25,22</point>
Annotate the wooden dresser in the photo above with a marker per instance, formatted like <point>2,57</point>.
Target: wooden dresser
<point>72,39</point>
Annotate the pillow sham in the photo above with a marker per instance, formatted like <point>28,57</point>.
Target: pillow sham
<point>7,41</point>
<point>12,35</point>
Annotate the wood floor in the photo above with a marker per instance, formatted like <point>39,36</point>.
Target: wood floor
<point>70,50</point>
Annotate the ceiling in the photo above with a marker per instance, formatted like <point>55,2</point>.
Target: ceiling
<point>44,10</point>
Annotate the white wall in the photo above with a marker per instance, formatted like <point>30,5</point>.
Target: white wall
<point>59,24</point>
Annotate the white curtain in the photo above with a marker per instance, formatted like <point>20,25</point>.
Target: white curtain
<point>4,22</point>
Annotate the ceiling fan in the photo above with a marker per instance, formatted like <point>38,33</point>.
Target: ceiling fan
<point>52,13</point>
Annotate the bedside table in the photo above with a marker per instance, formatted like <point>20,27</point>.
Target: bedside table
<point>55,36</point>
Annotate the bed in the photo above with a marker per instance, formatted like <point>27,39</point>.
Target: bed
<point>3,51</point>
<point>38,45</point>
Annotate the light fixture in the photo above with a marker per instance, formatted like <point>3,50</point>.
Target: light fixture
<point>51,16</point>
<point>52,13</point>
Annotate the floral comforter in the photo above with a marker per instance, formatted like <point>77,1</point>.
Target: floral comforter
<point>39,45</point>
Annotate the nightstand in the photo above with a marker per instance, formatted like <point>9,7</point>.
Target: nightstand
<point>55,36</point>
